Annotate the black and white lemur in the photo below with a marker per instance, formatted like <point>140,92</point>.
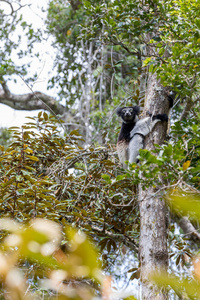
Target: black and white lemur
<point>133,132</point>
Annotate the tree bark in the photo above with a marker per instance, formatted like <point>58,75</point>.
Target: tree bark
<point>153,252</point>
<point>31,101</point>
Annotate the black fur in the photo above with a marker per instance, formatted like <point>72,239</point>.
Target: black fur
<point>133,132</point>
<point>125,131</point>
<point>161,117</point>
<point>129,119</point>
<point>171,96</point>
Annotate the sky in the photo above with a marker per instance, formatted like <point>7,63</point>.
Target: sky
<point>35,16</point>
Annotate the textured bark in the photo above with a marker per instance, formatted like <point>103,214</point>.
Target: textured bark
<point>30,101</point>
<point>153,231</point>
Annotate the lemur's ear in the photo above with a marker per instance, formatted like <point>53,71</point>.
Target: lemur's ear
<point>118,111</point>
<point>136,109</point>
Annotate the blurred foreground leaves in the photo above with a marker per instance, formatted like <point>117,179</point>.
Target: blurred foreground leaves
<point>183,204</point>
<point>47,174</point>
<point>67,260</point>
<point>40,244</point>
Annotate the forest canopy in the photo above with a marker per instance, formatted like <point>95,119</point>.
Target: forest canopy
<point>61,166</point>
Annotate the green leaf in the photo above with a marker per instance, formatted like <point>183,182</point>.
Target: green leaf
<point>190,287</point>
<point>188,204</point>
<point>31,157</point>
<point>45,115</point>
<point>82,248</point>
<point>106,177</point>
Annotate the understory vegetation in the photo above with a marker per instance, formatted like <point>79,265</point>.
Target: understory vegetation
<point>62,189</point>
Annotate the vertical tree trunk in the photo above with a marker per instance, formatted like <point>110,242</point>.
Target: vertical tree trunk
<point>153,232</point>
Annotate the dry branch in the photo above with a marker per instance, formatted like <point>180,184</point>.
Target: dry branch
<point>30,101</point>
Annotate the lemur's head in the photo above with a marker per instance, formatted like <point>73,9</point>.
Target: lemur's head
<point>128,114</point>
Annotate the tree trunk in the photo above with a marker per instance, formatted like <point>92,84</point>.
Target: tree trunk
<point>153,232</point>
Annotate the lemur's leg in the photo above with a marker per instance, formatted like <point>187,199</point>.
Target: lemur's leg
<point>122,151</point>
<point>136,143</point>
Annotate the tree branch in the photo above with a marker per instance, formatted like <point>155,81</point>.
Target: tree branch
<point>12,8</point>
<point>117,237</point>
<point>187,109</point>
<point>189,229</point>
<point>30,101</point>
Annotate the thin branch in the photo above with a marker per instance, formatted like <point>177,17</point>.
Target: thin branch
<point>5,88</point>
<point>12,8</point>
<point>118,237</point>
<point>189,230</point>
<point>187,109</point>
<point>121,205</point>
<point>137,53</point>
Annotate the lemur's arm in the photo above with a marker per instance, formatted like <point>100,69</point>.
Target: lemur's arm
<point>142,128</point>
<point>146,125</point>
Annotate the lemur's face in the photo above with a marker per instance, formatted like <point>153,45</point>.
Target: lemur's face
<point>128,114</point>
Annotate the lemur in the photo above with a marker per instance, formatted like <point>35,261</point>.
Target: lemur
<point>133,132</point>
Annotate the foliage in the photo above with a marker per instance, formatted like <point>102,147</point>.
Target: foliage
<point>85,60</point>
<point>102,54</point>
<point>43,173</point>
<point>45,260</point>
<point>180,33</point>
<point>178,161</point>
<point>5,137</point>
<point>11,40</point>
<point>39,243</point>
<point>92,77</point>
<point>104,50</point>
<point>171,27</point>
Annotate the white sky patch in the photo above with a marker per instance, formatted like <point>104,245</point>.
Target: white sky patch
<point>34,15</point>
<point>10,117</point>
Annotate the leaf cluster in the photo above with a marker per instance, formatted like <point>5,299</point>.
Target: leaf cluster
<point>86,66</point>
<point>52,266</point>
<point>13,43</point>
<point>44,173</point>
<point>169,29</point>
<point>177,160</point>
